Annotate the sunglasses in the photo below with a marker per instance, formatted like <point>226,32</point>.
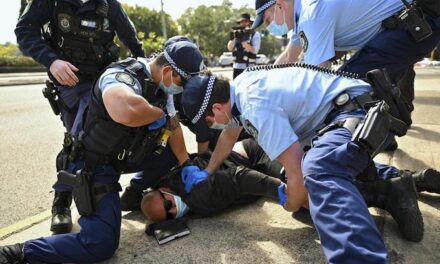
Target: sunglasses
<point>167,204</point>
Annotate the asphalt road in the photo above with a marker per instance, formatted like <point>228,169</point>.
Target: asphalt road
<point>31,136</point>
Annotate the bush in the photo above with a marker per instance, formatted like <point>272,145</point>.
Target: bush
<point>17,61</point>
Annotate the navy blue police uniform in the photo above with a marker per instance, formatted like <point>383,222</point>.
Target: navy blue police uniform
<point>280,106</point>
<point>104,149</point>
<point>82,34</point>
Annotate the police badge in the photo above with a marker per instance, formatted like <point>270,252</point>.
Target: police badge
<point>64,22</point>
<point>125,78</point>
<point>304,41</point>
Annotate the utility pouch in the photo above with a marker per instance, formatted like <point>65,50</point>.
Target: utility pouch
<point>112,52</point>
<point>385,90</point>
<point>413,21</point>
<point>50,92</point>
<point>430,7</point>
<point>82,190</point>
<point>372,132</point>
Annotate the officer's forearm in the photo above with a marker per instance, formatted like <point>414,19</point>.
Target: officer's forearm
<point>177,144</point>
<point>202,146</point>
<point>129,109</point>
<point>224,146</point>
<point>296,192</point>
<point>289,55</point>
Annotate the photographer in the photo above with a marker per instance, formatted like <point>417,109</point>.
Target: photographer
<point>244,43</point>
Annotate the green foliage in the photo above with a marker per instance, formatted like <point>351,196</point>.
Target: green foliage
<point>11,56</point>
<point>209,26</point>
<point>149,28</point>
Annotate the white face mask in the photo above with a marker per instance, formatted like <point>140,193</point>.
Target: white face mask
<point>275,29</point>
<point>232,123</point>
<point>172,89</point>
<point>181,207</point>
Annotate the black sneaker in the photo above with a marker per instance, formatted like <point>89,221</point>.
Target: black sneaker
<point>427,180</point>
<point>401,203</point>
<point>12,254</point>
<point>131,199</point>
<point>61,216</point>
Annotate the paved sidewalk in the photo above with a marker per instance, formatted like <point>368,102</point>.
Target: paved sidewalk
<point>264,233</point>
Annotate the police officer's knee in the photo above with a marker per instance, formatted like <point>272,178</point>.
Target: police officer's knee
<point>102,249</point>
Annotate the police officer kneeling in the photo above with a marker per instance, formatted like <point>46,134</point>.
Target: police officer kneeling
<point>283,107</point>
<point>122,126</point>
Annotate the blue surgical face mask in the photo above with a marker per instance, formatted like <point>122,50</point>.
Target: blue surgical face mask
<point>275,29</point>
<point>172,89</point>
<point>232,123</point>
<point>181,207</point>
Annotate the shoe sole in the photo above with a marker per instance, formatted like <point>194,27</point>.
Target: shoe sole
<point>432,177</point>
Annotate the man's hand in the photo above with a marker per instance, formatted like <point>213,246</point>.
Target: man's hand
<point>247,46</point>
<point>63,72</point>
<point>191,175</point>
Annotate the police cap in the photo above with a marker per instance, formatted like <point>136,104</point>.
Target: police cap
<point>185,58</point>
<point>260,7</point>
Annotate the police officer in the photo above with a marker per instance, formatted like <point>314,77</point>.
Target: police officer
<point>283,107</point>
<point>75,45</point>
<point>386,33</point>
<point>244,50</point>
<point>123,123</point>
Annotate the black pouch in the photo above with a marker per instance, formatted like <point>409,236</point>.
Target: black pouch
<point>430,7</point>
<point>414,21</point>
<point>385,90</point>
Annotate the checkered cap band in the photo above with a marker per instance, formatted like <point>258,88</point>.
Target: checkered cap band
<point>173,64</point>
<point>205,99</point>
<point>265,6</point>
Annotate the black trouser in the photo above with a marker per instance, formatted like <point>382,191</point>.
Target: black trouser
<point>237,72</point>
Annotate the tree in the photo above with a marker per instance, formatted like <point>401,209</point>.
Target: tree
<point>209,26</point>
<point>149,28</point>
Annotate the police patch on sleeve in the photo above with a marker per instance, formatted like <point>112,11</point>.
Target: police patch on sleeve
<point>125,78</point>
<point>304,41</point>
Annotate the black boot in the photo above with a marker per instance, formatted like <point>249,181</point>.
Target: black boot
<point>401,203</point>
<point>61,216</point>
<point>131,199</point>
<point>399,198</point>
<point>427,180</point>
<point>12,254</point>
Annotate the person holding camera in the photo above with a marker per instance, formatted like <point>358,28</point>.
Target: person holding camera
<point>244,44</point>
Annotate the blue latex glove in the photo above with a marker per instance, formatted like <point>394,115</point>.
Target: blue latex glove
<point>158,123</point>
<point>192,177</point>
<point>282,197</point>
<point>187,170</point>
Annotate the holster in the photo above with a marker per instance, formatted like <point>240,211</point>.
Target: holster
<point>85,193</point>
<point>82,191</point>
<point>383,89</point>
<point>50,92</point>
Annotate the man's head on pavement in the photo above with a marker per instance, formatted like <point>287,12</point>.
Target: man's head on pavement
<point>277,15</point>
<point>158,205</point>
<point>179,60</point>
<point>206,100</point>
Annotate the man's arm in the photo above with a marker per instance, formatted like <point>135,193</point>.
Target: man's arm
<point>289,55</point>
<point>202,146</point>
<point>126,30</point>
<point>127,108</point>
<point>28,32</point>
<point>296,191</point>
<point>224,146</point>
<point>231,45</point>
<point>177,142</point>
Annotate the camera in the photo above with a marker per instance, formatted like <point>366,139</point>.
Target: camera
<point>240,33</point>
